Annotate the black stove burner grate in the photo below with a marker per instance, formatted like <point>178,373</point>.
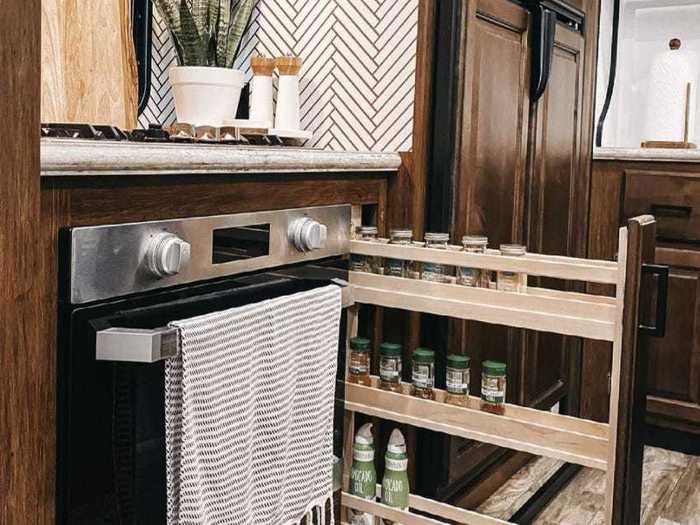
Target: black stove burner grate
<point>176,134</point>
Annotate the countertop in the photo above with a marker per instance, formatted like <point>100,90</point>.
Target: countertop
<point>68,157</point>
<point>647,154</point>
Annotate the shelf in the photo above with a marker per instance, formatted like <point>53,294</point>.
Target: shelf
<point>435,508</point>
<point>566,313</point>
<point>570,439</point>
<point>568,268</point>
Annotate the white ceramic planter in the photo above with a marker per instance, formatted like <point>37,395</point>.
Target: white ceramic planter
<point>206,96</point>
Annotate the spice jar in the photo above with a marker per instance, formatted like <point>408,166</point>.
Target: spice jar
<point>361,263</point>
<point>376,264</point>
<point>414,269</point>
<point>359,361</point>
<point>474,277</point>
<point>390,367</point>
<point>512,281</point>
<point>435,271</point>
<point>493,387</point>
<point>457,380</point>
<point>423,376</point>
<point>398,267</point>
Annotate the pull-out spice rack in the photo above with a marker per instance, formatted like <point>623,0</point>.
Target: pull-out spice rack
<point>614,447</point>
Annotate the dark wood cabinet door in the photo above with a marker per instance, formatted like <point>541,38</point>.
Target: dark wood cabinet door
<point>674,360</point>
<point>490,185</point>
<point>557,207</point>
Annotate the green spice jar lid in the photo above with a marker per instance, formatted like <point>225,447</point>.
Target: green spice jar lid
<point>359,344</point>
<point>423,355</point>
<point>494,368</point>
<point>390,349</point>
<point>458,361</point>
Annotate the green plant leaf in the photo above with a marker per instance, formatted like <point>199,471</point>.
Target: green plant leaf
<point>194,47</point>
<point>222,30</point>
<point>168,9</point>
<point>236,29</point>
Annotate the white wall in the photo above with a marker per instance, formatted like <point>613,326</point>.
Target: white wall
<point>646,26</point>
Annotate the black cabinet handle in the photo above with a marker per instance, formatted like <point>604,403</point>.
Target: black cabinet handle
<point>544,26</point>
<point>659,327</point>
<point>669,210</point>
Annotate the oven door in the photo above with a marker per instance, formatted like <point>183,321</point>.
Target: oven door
<point>111,419</point>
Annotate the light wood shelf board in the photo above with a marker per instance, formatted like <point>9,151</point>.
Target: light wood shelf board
<point>429,506</point>
<point>567,268</point>
<point>552,302</point>
<point>544,434</point>
<point>592,328</point>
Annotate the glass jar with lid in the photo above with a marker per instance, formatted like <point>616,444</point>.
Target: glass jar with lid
<point>512,281</point>
<point>423,373</point>
<point>361,263</point>
<point>398,267</point>
<point>414,269</point>
<point>390,367</point>
<point>493,387</point>
<point>435,271</point>
<point>457,380</point>
<point>358,371</point>
<point>474,277</point>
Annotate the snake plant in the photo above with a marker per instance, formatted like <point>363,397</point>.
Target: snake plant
<point>206,32</point>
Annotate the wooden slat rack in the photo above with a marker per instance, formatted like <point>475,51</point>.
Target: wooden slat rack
<point>610,447</point>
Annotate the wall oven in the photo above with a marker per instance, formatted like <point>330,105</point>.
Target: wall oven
<point>120,287</point>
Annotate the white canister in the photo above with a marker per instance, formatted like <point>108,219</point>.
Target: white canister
<point>287,115</point>
<point>261,94</point>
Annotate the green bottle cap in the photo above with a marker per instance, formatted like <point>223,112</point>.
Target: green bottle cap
<point>458,361</point>
<point>359,344</point>
<point>494,368</point>
<point>390,349</point>
<point>423,355</point>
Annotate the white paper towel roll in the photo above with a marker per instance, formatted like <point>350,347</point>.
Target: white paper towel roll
<point>670,73</point>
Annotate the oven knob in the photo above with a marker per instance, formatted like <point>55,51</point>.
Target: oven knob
<point>307,234</point>
<point>167,255</point>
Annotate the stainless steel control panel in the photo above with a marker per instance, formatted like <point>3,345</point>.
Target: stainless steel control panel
<point>121,259</point>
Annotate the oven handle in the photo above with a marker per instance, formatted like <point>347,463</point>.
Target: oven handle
<point>139,345</point>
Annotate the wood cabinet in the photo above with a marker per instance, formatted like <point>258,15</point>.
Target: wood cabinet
<point>516,171</point>
<point>671,192</point>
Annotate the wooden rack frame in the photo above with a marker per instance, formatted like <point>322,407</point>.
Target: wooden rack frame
<point>615,447</point>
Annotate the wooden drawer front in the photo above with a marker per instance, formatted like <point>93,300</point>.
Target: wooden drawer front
<point>672,198</point>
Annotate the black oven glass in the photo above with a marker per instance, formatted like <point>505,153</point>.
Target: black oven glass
<point>111,424</point>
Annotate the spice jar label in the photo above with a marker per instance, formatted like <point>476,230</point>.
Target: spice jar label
<point>422,378</point>
<point>457,381</point>
<point>389,369</point>
<point>433,272</point>
<point>469,276</point>
<point>394,267</point>
<point>359,369</point>
<point>493,394</point>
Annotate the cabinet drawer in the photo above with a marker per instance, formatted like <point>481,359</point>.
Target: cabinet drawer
<point>672,198</point>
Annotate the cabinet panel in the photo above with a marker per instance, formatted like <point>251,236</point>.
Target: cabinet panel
<point>490,188</point>
<point>674,359</point>
<point>557,210</point>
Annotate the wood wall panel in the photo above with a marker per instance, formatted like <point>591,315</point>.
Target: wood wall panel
<point>88,62</point>
<point>26,379</point>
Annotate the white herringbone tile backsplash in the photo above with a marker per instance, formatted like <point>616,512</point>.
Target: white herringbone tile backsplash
<point>358,81</point>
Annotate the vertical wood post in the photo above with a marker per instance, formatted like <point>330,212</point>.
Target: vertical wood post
<point>628,393</point>
<point>26,384</point>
